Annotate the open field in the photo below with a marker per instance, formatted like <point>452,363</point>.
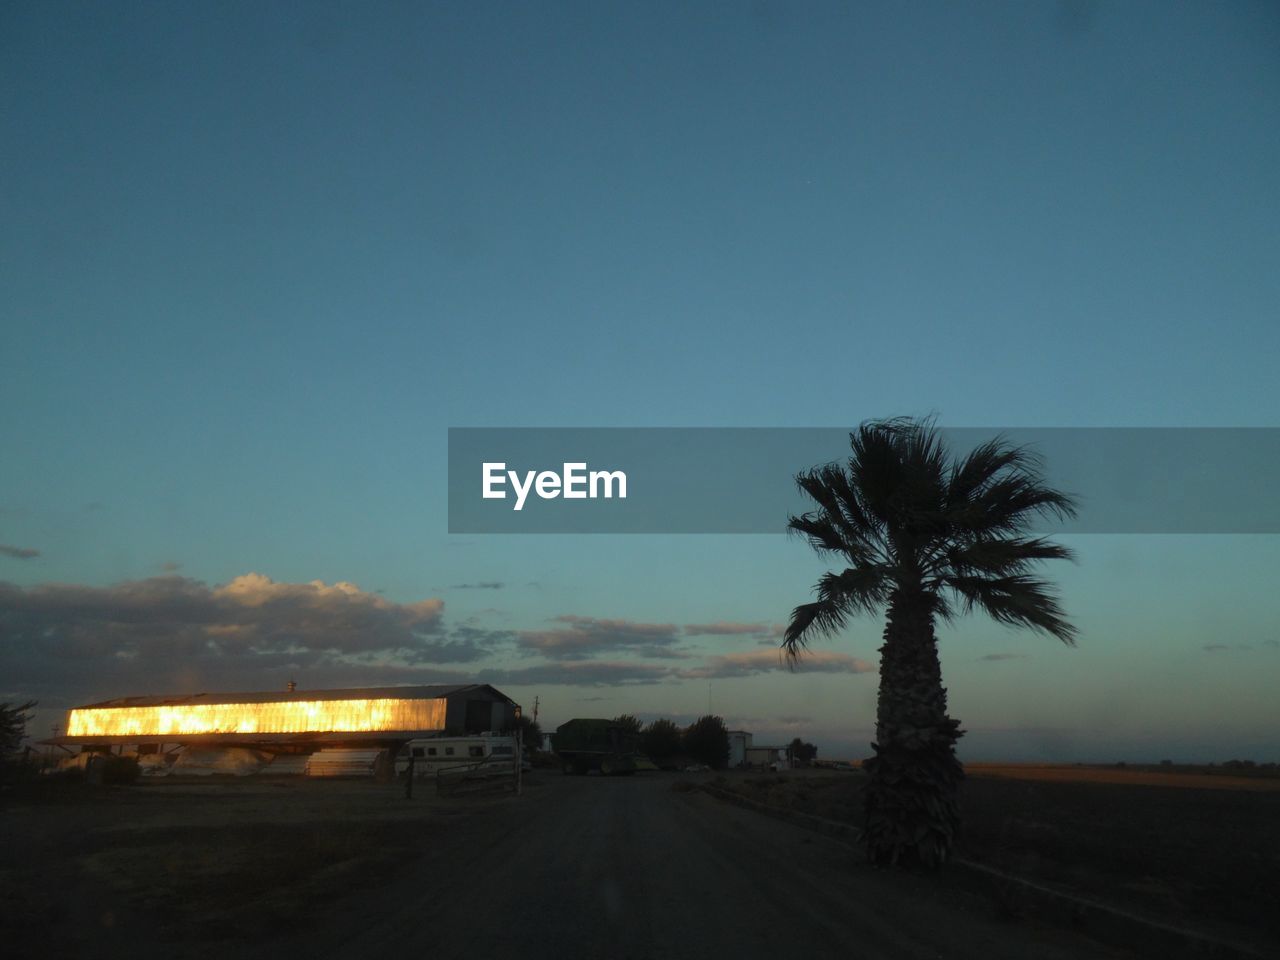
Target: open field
<point>578,866</point>
<point>90,871</point>
<point>1193,850</point>
<point>1146,775</point>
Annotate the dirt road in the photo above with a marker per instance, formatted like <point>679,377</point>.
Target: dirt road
<point>628,868</point>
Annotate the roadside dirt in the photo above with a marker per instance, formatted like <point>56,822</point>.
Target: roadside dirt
<point>577,867</point>
<point>1202,856</point>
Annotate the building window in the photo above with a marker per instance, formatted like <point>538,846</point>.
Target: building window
<point>418,752</point>
<point>476,751</point>
<point>448,751</point>
<point>431,751</point>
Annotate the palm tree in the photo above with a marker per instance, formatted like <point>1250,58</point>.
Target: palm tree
<point>926,537</point>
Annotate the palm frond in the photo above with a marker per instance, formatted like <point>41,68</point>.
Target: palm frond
<point>1001,557</point>
<point>1019,600</point>
<point>856,590</point>
<point>907,516</point>
<point>984,463</point>
<point>998,487</point>
<point>822,617</point>
<point>822,532</point>
<point>876,469</point>
<point>839,526</point>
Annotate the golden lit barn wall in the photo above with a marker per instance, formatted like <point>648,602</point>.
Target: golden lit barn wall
<point>290,716</point>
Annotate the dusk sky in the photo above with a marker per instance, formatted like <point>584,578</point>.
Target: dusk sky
<point>256,259</point>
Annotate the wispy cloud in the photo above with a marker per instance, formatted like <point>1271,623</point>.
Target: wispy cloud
<point>598,673</point>
<point>1227,647</point>
<point>583,637</point>
<point>994,657</point>
<point>18,553</point>
<point>482,585</point>
<point>729,628</point>
<point>765,661</point>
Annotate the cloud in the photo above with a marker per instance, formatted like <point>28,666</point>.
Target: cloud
<point>765,661</point>
<point>583,637</point>
<point>992,657</point>
<point>727,628</point>
<point>18,553</point>
<point>482,585</point>
<point>169,629</point>
<point>1227,647</point>
<point>170,566</point>
<point>597,673</point>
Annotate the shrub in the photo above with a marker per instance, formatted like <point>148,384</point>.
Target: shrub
<point>661,740</point>
<point>707,741</point>
<point>627,722</point>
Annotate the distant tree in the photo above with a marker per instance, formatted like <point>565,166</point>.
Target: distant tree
<point>13,726</point>
<point>531,732</point>
<point>629,723</point>
<point>661,739</point>
<point>801,752</point>
<point>707,741</point>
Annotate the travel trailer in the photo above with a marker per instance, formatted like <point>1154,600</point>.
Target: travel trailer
<point>431,755</point>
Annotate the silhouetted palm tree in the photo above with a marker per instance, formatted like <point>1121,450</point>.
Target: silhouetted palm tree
<point>926,537</point>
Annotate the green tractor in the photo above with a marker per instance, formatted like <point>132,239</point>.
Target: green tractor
<point>584,745</point>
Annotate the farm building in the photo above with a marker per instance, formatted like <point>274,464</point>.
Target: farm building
<point>292,718</point>
<point>765,757</point>
<point>739,743</point>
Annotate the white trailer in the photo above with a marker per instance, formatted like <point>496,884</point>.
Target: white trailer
<point>431,755</point>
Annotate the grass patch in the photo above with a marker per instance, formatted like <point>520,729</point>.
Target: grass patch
<point>1201,856</point>
<point>244,880</point>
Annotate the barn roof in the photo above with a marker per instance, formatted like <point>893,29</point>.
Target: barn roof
<point>430,692</point>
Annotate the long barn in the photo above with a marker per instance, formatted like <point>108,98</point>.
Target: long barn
<point>373,716</point>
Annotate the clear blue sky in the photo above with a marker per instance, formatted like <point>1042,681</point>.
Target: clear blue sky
<point>256,259</point>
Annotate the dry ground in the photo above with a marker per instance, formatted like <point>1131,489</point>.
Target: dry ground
<point>1192,849</point>
<point>109,870</point>
<point>577,867</point>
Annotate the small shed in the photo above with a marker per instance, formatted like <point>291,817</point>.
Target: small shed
<point>764,757</point>
<point>739,743</point>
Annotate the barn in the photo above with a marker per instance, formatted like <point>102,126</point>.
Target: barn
<point>291,718</point>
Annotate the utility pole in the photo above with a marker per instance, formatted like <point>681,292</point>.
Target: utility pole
<point>535,709</point>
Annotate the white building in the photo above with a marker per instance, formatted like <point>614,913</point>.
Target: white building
<point>739,744</point>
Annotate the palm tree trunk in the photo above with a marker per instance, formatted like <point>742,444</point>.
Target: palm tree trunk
<point>912,799</point>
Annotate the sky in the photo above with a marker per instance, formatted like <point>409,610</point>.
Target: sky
<point>255,260</point>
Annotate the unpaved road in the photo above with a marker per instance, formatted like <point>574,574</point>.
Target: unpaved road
<point>597,867</point>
